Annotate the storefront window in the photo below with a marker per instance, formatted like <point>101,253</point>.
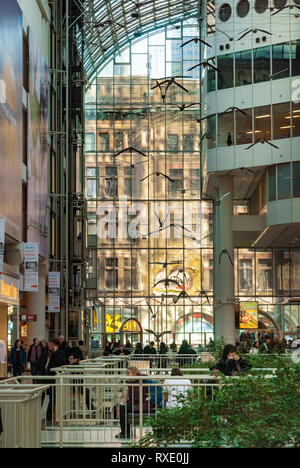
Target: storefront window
<point>262,122</point>
<point>295,271</point>
<point>281,121</point>
<point>225,75</point>
<point>226,129</point>
<point>243,68</point>
<point>280,61</point>
<point>264,272</point>
<point>245,274</point>
<point>282,270</point>
<point>284,181</point>
<point>262,61</point>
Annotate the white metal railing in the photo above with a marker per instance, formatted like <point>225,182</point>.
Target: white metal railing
<point>20,407</point>
<point>82,405</point>
<point>85,409</point>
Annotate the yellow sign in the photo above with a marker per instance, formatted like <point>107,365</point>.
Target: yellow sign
<point>132,326</point>
<point>113,324</point>
<point>249,315</point>
<point>9,290</point>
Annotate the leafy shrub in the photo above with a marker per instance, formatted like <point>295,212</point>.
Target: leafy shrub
<point>246,412</point>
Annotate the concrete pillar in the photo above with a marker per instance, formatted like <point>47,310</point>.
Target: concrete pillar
<point>224,261</point>
<point>36,306</point>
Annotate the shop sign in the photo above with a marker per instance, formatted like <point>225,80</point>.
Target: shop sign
<point>9,289</point>
<point>24,318</point>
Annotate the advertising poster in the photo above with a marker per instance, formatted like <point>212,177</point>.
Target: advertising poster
<point>11,84</point>
<point>54,292</point>
<point>37,147</point>
<point>2,241</point>
<point>249,315</point>
<point>31,267</point>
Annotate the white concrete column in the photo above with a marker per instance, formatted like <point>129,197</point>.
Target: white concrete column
<point>224,263</point>
<point>36,306</point>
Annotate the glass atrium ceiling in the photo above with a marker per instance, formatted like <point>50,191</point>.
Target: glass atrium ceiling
<point>108,25</point>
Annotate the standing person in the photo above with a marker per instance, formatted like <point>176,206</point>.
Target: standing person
<point>34,355</point>
<point>74,360</point>
<point>173,347</point>
<point>18,359</point>
<point>138,349</point>
<point>163,349</point>
<point>56,358</point>
<point>43,358</point>
<point>131,404</point>
<point>94,343</point>
<point>150,349</point>
<point>83,349</point>
<point>185,348</point>
<point>107,349</point>
<point>64,346</point>
<point>267,345</point>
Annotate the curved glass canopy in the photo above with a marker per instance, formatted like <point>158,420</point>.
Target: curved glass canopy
<point>108,25</point>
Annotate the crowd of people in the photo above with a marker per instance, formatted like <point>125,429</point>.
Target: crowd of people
<point>267,344</point>
<point>115,348</point>
<point>42,356</point>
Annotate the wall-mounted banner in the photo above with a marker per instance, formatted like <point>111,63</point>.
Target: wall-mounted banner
<point>31,261</point>
<point>54,292</point>
<point>2,240</point>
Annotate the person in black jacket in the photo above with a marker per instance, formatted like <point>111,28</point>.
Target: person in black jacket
<point>121,351</point>
<point>18,359</point>
<point>34,355</point>
<point>56,358</point>
<point>43,358</point>
<point>230,363</point>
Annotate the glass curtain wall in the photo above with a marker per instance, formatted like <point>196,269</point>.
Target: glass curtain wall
<point>148,268</point>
